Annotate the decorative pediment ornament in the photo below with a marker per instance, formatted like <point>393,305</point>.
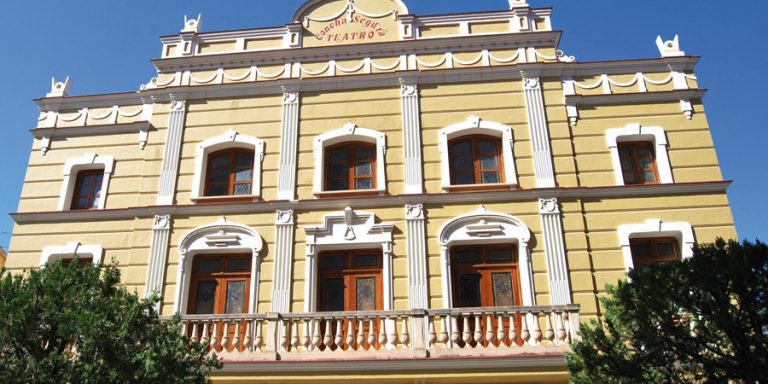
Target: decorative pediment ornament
<point>348,227</point>
<point>221,234</point>
<point>484,225</point>
<point>483,229</point>
<point>340,22</point>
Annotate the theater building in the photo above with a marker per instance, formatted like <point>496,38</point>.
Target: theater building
<point>368,193</point>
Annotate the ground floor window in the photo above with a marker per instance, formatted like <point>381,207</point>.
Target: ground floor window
<point>654,251</point>
<point>220,284</point>
<point>350,281</point>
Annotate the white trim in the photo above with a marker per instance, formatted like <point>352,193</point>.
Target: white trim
<point>221,237</point>
<point>86,162</point>
<point>350,132</point>
<point>682,231</point>
<point>231,139</point>
<point>636,132</point>
<point>484,227</point>
<point>477,126</point>
<point>54,253</point>
<point>347,230</point>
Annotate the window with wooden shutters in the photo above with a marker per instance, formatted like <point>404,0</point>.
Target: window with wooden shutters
<point>654,251</point>
<point>220,284</point>
<point>350,167</point>
<point>350,281</point>
<point>638,164</point>
<point>230,173</point>
<point>87,192</point>
<point>485,276</point>
<point>476,159</point>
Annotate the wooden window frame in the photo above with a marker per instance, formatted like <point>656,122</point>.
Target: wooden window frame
<point>654,257</point>
<point>232,172</point>
<point>351,146</point>
<point>476,169</point>
<point>486,268</point>
<point>349,273</point>
<point>637,170</point>
<point>92,197</point>
<point>221,277</point>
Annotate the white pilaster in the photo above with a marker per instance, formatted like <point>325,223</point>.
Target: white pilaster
<point>170,169</point>
<point>158,255</point>
<point>414,178</point>
<point>537,122</point>
<point>554,245</point>
<point>281,281</point>
<point>416,237</point>
<point>286,184</point>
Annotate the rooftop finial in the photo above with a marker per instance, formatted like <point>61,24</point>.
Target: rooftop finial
<point>59,89</point>
<point>669,48</point>
<point>192,25</point>
<point>517,4</point>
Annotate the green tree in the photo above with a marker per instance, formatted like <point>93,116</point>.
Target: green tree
<point>77,325</point>
<point>704,319</point>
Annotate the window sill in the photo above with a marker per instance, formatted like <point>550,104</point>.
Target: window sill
<point>226,199</point>
<point>352,193</point>
<point>480,187</point>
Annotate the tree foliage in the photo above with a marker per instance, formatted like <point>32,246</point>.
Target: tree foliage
<point>704,319</point>
<point>77,325</point>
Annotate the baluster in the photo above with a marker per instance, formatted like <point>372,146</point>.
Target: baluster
<point>371,334</point>
<point>536,328</point>
<point>567,327</point>
<point>524,333</point>
<point>392,335</point>
<point>225,339</point>
<point>432,338</point>
<point>512,329</point>
<point>215,338</point>
<point>236,341</point>
<point>467,334</point>
<point>205,339</point>
<point>382,331</point>
<point>259,341</point>
<point>316,338</point>
<point>350,340</point>
<point>478,334</point>
<point>406,336</point>
<point>490,335</point>
<point>305,339</point>
<point>284,338</point>
<point>328,336</point>
<point>550,332</point>
<point>194,337</point>
<point>359,343</point>
<point>443,329</point>
<point>561,335</point>
<point>500,334</point>
<point>248,335</point>
<point>339,337</point>
<point>455,336</point>
<point>295,334</point>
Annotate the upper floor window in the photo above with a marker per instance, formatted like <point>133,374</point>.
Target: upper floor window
<point>485,276</point>
<point>638,164</point>
<point>649,251</point>
<point>350,281</point>
<point>476,160</point>
<point>350,166</point>
<point>87,192</point>
<point>230,173</point>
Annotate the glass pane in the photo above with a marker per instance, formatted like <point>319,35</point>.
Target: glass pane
<point>665,249</point>
<point>217,190</point>
<point>629,177</point>
<point>244,158</point>
<point>497,255</point>
<point>626,164</point>
<point>363,154</point>
<point>364,169</point>
<point>242,189</point>
<point>339,185</point>
<point>469,290</point>
<point>363,184</point>
<point>645,163</point>
<point>334,295</point>
<point>238,265</point>
<point>463,147</point>
<point>235,297</point>
<point>98,179</point>
<point>642,151</point>
<point>220,161</point>
<point>208,266</point>
<point>503,295</point>
<point>219,175</point>
<point>491,177</point>
<point>489,162</point>
<point>84,188</point>
<point>82,203</point>
<point>95,203</point>
<point>365,288</point>
<point>462,163</point>
<point>649,176</point>
<point>463,179</point>
<point>205,298</point>
<point>244,174</point>
<point>640,250</point>
<point>487,146</point>
<point>625,152</point>
<point>334,262</point>
<point>366,260</point>
<point>467,257</point>
<point>339,154</point>
<point>339,170</point>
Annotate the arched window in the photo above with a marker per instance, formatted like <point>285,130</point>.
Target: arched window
<point>229,173</point>
<point>350,166</point>
<point>476,159</point>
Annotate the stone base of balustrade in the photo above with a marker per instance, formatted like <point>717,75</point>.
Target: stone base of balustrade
<point>354,355</point>
<point>247,356</point>
<point>497,352</point>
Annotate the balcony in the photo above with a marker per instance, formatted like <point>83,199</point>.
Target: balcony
<point>441,334</point>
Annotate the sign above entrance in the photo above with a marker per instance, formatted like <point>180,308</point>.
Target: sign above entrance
<point>341,22</point>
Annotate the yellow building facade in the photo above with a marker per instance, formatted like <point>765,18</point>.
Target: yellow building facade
<point>367,193</point>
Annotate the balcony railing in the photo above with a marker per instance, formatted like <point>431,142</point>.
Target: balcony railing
<point>464,332</point>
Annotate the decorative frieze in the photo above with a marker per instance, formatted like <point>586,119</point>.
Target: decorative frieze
<point>158,255</point>
<point>286,184</point>
<point>414,177</point>
<point>554,245</point>
<point>170,169</point>
<point>416,251</point>
<point>537,122</point>
<point>281,285</point>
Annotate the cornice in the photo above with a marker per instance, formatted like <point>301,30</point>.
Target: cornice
<point>606,192</point>
<point>635,97</point>
<point>91,130</point>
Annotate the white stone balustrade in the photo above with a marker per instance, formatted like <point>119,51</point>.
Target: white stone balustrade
<point>462,332</point>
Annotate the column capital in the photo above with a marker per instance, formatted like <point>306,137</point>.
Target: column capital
<point>549,206</point>
<point>284,217</point>
<point>162,222</point>
<point>414,212</point>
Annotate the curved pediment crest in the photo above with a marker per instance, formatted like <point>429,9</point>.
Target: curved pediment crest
<point>483,225</point>
<point>221,235</point>
<point>341,22</point>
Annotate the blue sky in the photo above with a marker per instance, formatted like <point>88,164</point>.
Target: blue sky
<point>106,46</point>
